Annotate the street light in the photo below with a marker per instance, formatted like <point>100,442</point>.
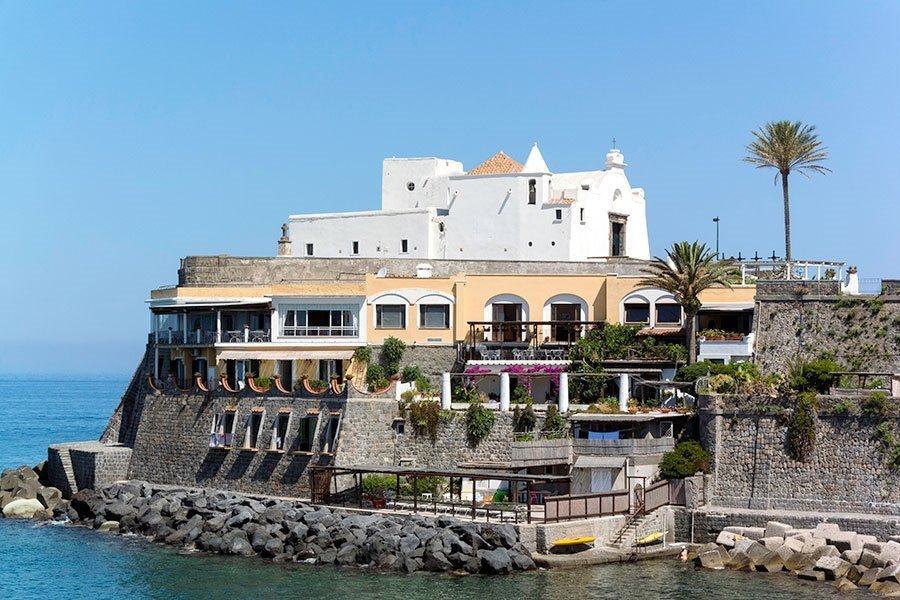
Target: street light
<point>716,221</point>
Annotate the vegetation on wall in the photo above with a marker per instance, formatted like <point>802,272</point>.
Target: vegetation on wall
<point>479,422</point>
<point>525,419</point>
<point>466,391</point>
<point>424,417</point>
<point>375,377</point>
<point>554,422</point>
<point>802,427</point>
<point>814,376</point>
<point>363,354</point>
<point>391,354</point>
<point>686,459</point>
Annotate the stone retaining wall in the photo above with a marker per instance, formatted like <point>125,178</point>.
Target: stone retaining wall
<point>751,467</point>
<point>861,332</point>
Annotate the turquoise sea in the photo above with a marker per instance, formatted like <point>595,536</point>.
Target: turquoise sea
<point>52,561</point>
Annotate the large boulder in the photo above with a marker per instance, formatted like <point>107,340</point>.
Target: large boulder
<point>826,530</point>
<point>845,540</point>
<point>495,561</point>
<point>87,503</point>
<point>23,508</point>
<point>726,539</point>
<point>711,559</point>
<point>118,510</point>
<point>50,497</point>
<point>236,542</point>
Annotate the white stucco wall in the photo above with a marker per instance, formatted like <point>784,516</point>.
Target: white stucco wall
<point>379,233</point>
<point>450,215</point>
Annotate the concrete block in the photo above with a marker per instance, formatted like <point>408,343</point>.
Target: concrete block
<point>825,551</point>
<point>811,575</point>
<point>868,577</point>
<point>754,533</point>
<point>811,544</point>
<point>743,545</point>
<point>875,547</point>
<point>890,551</point>
<point>844,584</point>
<point>772,543</point>
<point>870,559</point>
<point>844,540</point>
<point>795,544</point>
<point>851,556</point>
<point>711,559</point>
<point>757,553</point>
<point>834,567</point>
<point>889,573</point>
<point>823,530</point>
<point>776,529</point>
<point>725,538</point>
<point>798,561</point>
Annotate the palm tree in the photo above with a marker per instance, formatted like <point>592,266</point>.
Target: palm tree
<point>787,146</point>
<point>690,269</point>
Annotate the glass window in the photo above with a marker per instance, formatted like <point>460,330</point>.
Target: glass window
<point>279,431</point>
<point>404,246</point>
<point>307,433</point>
<point>319,320</point>
<point>254,424</point>
<point>637,313</point>
<point>668,313</point>
<point>558,214</point>
<point>309,249</point>
<point>390,316</point>
<point>355,247</point>
<point>618,239</point>
<point>532,191</point>
<point>434,316</point>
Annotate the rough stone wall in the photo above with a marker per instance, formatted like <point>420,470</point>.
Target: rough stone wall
<point>751,467</point>
<point>431,360</point>
<point>452,447</point>
<point>79,465</point>
<point>862,332</point>
<point>172,444</point>
<point>122,424</point>
<point>233,270</point>
<point>367,435</point>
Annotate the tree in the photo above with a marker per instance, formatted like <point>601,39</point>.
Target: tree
<point>787,146</point>
<point>690,269</point>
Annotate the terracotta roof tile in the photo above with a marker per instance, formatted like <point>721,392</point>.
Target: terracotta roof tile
<point>497,164</point>
<point>563,201</point>
<point>662,331</point>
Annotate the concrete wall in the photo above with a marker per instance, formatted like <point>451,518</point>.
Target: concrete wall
<point>863,333</point>
<point>751,468</point>
<point>79,465</point>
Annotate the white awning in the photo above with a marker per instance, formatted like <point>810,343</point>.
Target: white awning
<point>599,462</point>
<point>205,302</point>
<point>286,355</point>
<point>727,306</point>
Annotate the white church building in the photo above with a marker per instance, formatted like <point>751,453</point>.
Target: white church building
<point>432,208</point>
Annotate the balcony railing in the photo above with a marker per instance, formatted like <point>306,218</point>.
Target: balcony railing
<point>623,447</point>
<point>524,340</point>
<point>321,331</point>
<point>201,337</point>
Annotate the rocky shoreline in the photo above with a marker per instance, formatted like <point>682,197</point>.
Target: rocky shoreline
<point>284,531</point>
<point>844,558</point>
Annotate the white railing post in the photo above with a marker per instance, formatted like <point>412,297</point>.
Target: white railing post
<point>246,333</point>
<point>170,335</point>
<point>504,392</point>
<point>218,326</point>
<point>446,391</point>
<point>563,392</point>
<point>623,392</point>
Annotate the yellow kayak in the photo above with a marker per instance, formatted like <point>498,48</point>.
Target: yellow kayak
<point>653,538</point>
<point>574,541</point>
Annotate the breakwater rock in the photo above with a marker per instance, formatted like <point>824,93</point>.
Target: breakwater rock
<point>846,559</point>
<point>292,531</point>
<point>22,496</point>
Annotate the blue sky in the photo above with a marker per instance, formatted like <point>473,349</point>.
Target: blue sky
<point>133,134</point>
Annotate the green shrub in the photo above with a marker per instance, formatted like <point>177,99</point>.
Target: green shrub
<point>263,382</point>
<point>423,384</point>
<point>519,394</point>
<point>554,421</point>
<point>479,422</point>
<point>876,404</point>
<point>410,373</point>
<point>842,407</point>
<point>524,420</point>
<point>802,427</point>
<point>408,395</point>
<point>374,486</point>
<point>814,376</point>
<point>424,417</point>
<point>317,384</point>
<point>391,354</point>
<point>466,392</point>
<point>363,354</point>
<point>684,460</point>
<point>375,377</point>
<point>741,371</point>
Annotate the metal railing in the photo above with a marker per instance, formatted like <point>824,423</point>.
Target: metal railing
<point>799,270</point>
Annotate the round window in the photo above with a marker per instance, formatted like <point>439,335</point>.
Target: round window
<point>410,186</point>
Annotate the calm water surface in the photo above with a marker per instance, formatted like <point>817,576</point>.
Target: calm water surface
<point>51,561</point>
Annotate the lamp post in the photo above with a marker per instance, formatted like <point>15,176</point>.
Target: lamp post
<point>716,221</point>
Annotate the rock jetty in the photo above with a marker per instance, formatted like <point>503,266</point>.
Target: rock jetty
<point>23,496</point>
<point>292,531</point>
<point>846,559</point>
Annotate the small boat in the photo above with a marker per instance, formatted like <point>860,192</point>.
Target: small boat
<point>649,540</point>
<point>578,541</point>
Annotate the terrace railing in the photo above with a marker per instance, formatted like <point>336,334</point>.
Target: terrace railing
<point>524,340</point>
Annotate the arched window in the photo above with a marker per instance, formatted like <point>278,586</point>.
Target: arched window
<point>532,191</point>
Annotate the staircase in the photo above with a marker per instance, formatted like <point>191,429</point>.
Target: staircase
<point>624,539</point>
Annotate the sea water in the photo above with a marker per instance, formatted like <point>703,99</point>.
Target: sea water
<point>55,561</point>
